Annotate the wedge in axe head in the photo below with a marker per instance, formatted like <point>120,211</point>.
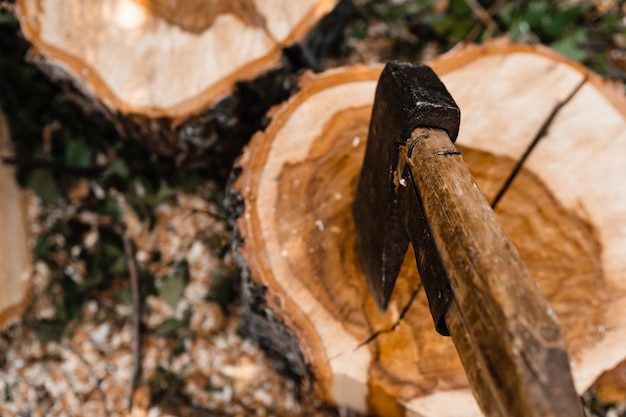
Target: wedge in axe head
<point>415,188</point>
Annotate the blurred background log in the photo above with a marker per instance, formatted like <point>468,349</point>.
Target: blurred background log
<point>15,258</point>
<point>165,71</point>
<point>544,138</point>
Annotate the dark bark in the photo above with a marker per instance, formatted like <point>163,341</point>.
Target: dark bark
<point>260,322</point>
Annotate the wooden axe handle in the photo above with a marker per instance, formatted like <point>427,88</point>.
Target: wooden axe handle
<point>507,336</point>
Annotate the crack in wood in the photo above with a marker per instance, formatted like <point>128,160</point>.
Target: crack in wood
<point>541,133</point>
<point>393,327</point>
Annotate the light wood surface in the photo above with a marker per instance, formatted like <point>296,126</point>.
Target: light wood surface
<point>14,251</point>
<point>565,210</point>
<point>165,58</point>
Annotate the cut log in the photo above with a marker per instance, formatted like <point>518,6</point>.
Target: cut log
<point>165,58</point>
<point>545,140</point>
<point>15,260</point>
<point>160,61</point>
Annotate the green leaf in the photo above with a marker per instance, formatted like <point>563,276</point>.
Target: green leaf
<point>77,153</point>
<point>7,19</point>
<point>169,326</point>
<point>111,207</point>
<point>359,30</point>
<point>163,193</point>
<point>43,184</point>
<point>124,296</point>
<point>41,247</point>
<point>453,25</point>
<point>117,170</point>
<point>172,288</point>
<point>460,8</point>
<point>557,23</point>
<point>403,10</point>
<point>508,13</point>
<point>114,259</point>
<point>572,46</point>
<point>535,13</point>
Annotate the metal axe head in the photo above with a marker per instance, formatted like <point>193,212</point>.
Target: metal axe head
<point>408,96</point>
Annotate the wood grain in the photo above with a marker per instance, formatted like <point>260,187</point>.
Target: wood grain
<point>506,334</point>
<point>564,210</point>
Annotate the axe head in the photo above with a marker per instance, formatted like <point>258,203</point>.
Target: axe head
<point>408,96</point>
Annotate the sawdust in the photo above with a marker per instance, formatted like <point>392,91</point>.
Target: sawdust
<point>204,366</point>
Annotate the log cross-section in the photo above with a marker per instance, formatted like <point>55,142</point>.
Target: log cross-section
<point>162,58</point>
<point>542,135</point>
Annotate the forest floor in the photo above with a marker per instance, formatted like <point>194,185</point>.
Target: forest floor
<point>111,221</point>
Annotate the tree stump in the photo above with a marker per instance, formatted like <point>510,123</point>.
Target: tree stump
<point>155,63</point>
<point>545,140</point>
<point>15,260</point>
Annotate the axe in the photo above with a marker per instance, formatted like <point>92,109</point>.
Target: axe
<point>414,187</point>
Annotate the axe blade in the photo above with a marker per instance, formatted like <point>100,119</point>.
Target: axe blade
<point>407,96</point>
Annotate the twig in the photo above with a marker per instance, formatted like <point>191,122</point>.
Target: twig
<point>484,19</point>
<point>134,285</point>
<point>483,15</point>
<point>95,219</point>
<point>48,132</point>
<point>215,216</point>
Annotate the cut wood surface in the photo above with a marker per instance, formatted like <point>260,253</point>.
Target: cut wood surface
<point>165,58</point>
<point>14,251</point>
<point>544,139</point>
